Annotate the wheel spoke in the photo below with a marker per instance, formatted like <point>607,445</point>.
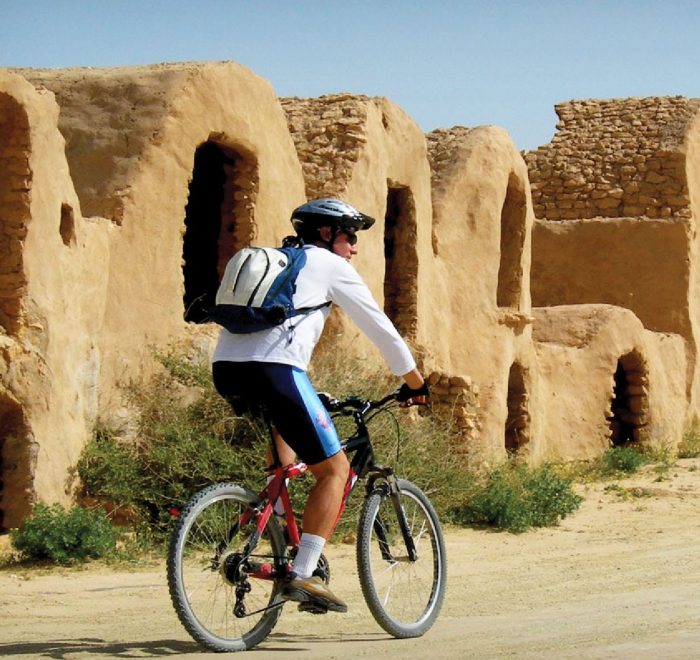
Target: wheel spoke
<point>404,595</point>
<point>209,575</point>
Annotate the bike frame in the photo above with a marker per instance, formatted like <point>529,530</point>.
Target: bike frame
<point>362,465</point>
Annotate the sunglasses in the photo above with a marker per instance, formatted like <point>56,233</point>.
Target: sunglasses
<point>351,236</point>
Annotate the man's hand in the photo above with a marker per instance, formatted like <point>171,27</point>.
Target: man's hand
<point>410,397</point>
<point>329,402</point>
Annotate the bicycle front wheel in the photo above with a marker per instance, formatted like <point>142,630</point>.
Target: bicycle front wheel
<point>404,594</point>
<point>227,599</point>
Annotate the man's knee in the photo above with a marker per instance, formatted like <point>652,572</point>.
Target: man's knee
<point>336,466</point>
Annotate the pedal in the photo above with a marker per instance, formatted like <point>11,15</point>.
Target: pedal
<point>313,608</point>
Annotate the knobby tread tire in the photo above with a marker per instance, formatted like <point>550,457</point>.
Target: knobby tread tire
<point>181,602</point>
<point>431,550</point>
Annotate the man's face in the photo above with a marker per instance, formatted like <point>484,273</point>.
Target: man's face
<point>345,243</point>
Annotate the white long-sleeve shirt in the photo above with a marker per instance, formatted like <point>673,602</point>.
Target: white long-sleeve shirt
<point>325,277</point>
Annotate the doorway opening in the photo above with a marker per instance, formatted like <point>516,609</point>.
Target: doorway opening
<point>401,260</point>
<point>628,405</point>
<point>16,466</point>
<point>219,220</point>
<point>517,430</point>
<point>513,226</point>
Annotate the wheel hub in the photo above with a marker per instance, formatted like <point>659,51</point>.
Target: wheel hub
<point>230,566</point>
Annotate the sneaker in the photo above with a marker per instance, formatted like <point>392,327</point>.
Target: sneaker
<point>312,590</point>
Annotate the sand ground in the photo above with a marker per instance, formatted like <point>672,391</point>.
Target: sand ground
<point>619,579</point>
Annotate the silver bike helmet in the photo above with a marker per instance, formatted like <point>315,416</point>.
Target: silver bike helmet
<point>308,218</point>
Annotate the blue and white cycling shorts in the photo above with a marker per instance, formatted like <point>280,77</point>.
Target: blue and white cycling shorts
<point>284,395</point>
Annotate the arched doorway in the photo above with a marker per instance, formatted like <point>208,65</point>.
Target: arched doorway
<point>219,220</point>
<point>401,260</point>
<point>16,465</point>
<point>628,406</point>
<point>513,225</point>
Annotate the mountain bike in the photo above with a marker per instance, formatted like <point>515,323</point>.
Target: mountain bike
<point>229,552</point>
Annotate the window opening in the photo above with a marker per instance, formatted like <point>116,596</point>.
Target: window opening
<point>67,226</point>
<point>401,261</point>
<point>517,430</point>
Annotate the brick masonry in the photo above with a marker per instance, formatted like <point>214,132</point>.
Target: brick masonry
<point>614,158</point>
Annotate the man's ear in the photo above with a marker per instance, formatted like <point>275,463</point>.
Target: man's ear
<point>325,233</point>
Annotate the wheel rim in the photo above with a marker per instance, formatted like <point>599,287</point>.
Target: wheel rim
<point>405,589</point>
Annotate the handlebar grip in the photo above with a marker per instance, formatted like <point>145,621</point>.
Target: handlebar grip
<point>404,393</point>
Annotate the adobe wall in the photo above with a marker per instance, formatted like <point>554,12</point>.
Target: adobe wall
<point>147,123</point>
<point>615,174</point>
<point>455,290</point>
<point>85,300</point>
<point>579,348</point>
<point>636,263</point>
<point>49,353</point>
<point>481,324</point>
<point>615,192</point>
<point>110,248</point>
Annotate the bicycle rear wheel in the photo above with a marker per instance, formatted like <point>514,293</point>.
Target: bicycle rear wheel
<point>226,600</point>
<point>404,596</point>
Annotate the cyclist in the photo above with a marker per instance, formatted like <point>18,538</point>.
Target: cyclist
<point>265,373</point>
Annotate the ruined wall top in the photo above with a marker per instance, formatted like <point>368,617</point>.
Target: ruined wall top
<point>614,158</point>
<point>443,144</point>
<point>329,133</point>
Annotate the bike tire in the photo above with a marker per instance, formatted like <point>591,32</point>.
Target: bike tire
<point>404,596</point>
<point>202,547</point>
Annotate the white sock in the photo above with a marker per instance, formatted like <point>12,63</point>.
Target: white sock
<point>278,507</point>
<point>310,549</point>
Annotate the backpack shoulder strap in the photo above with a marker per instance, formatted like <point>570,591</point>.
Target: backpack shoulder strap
<point>297,259</point>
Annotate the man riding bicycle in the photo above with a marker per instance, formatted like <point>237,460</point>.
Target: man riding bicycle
<point>265,373</point>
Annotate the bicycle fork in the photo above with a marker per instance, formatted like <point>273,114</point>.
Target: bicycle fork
<point>380,528</point>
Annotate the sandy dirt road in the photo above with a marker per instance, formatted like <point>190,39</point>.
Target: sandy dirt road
<point>620,579</point>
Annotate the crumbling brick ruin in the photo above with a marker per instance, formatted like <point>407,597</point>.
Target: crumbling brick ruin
<point>550,296</point>
<point>614,159</point>
<point>328,134</point>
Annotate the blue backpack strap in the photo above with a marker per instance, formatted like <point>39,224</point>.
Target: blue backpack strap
<point>297,260</point>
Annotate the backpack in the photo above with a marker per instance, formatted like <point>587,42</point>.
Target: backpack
<point>257,288</point>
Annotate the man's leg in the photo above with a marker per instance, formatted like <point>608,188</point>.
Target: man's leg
<point>285,455</point>
<point>320,515</point>
<point>321,510</point>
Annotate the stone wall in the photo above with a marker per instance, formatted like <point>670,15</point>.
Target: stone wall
<point>444,145</point>
<point>614,158</point>
<point>328,133</point>
<point>15,190</point>
<point>456,398</point>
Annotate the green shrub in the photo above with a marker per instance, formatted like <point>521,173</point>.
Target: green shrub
<point>63,536</point>
<point>625,460</point>
<point>515,497</point>
<point>689,446</point>
<point>187,438</point>
<point>179,448</point>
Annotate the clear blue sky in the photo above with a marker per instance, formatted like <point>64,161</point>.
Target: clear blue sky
<point>445,62</point>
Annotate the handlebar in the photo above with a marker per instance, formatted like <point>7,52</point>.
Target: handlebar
<point>353,404</point>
